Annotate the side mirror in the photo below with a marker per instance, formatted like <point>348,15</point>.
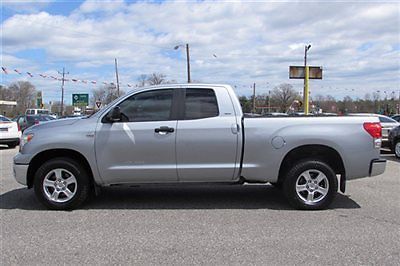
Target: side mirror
<point>115,114</point>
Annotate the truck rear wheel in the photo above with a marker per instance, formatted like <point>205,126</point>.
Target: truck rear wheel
<point>310,185</point>
<point>61,184</point>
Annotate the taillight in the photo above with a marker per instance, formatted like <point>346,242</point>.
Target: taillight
<point>19,127</point>
<point>36,122</point>
<point>374,129</point>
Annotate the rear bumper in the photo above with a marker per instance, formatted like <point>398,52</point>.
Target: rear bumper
<point>377,167</point>
<point>20,173</point>
<point>9,140</point>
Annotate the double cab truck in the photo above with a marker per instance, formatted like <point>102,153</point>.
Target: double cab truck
<point>195,133</point>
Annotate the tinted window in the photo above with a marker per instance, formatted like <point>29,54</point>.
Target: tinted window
<point>383,119</point>
<point>148,106</point>
<point>4,119</point>
<point>200,103</point>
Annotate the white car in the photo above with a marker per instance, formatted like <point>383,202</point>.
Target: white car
<point>10,132</point>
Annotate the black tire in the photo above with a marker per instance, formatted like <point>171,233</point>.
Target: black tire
<point>305,174</point>
<point>397,154</point>
<point>81,187</point>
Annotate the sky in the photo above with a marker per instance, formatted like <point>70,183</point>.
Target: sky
<point>357,43</point>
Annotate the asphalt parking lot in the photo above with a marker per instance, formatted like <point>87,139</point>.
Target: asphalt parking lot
<point>206,225</point>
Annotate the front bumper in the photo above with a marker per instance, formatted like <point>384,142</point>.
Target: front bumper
<point>377,167</point>
<point>20,173</point>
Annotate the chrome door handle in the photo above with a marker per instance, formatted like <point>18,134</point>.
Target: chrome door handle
<point>164,130</point>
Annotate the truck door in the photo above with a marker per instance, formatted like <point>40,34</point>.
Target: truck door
<point>207,136</point>
<point>141,147</point>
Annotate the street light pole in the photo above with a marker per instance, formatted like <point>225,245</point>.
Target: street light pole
<point>187,60</point>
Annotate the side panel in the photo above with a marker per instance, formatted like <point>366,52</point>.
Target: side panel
<point>268,140</point>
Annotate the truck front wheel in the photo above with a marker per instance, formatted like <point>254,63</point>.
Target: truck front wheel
<point>61,184</point>
<point>310,185</point>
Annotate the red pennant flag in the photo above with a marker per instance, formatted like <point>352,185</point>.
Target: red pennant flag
<point>74,80</point>
<point>105,83</point>
<point>43,76</point>
<point>129,85</point>
<point>84,81</point>
<point>30,74</point>
<point>16,70</point>
<point>94,82</point>
<point>4,70</point>
<point>53,77</point>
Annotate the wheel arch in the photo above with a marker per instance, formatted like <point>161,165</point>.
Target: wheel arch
<point>46,155</point>
<point>324,153</point>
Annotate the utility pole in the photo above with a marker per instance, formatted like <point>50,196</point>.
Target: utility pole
<point>254,97</point>
<point>306,77</point>
<point>116,74</point>
<point>188,62</point>
<point>269,101</point>
<point>62,89</point>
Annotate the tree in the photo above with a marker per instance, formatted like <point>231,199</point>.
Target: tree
<point>245,103</point>
<point>156,79</point>
<point>24,93</point>
<point>142,79</point>
<point>105,94</point>
<point>283,96</point>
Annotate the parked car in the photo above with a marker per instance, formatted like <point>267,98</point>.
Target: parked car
<point>10,133</point>
<point>25,121</point>
<point>195,133</point>
<point>33,111</point>
<point>396,117</point>
<point>394,141</point>
<point>387,124</point>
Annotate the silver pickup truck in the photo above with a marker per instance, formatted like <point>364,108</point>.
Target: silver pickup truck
<point>195,133</point>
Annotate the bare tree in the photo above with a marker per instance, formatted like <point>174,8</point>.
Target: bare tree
<point>105,94</point>
<point>283,96</point>
<point>156,79</point>
<point>24,93</point>
<point>142,79</point>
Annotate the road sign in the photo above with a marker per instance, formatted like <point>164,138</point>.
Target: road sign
<point>98,104</point>
<point>80,99</point>
<point>297,72</point>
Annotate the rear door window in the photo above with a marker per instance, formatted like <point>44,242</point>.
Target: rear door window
<point>200,103</point>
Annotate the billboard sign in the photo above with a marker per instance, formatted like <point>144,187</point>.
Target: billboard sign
<point>297,72</point>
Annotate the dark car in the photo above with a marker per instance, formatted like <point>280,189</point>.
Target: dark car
<point>396,117</point>
<point>394,141</point>
<point>25,121</point>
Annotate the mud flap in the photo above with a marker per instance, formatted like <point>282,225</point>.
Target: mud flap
<point>342,183</point>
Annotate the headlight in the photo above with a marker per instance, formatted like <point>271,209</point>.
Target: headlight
<point>25,139</point>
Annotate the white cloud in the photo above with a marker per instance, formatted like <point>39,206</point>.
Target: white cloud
<point>356,43</point>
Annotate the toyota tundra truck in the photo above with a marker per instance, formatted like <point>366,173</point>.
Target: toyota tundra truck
<point>195,133</point>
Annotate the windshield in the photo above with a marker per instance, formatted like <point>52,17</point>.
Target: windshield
<point>4,119</point>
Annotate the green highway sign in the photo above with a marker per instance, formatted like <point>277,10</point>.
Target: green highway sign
<point>80,99</point>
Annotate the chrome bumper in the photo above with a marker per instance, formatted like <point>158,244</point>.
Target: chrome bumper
<point>21,173</point>
<point>377,167</point>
